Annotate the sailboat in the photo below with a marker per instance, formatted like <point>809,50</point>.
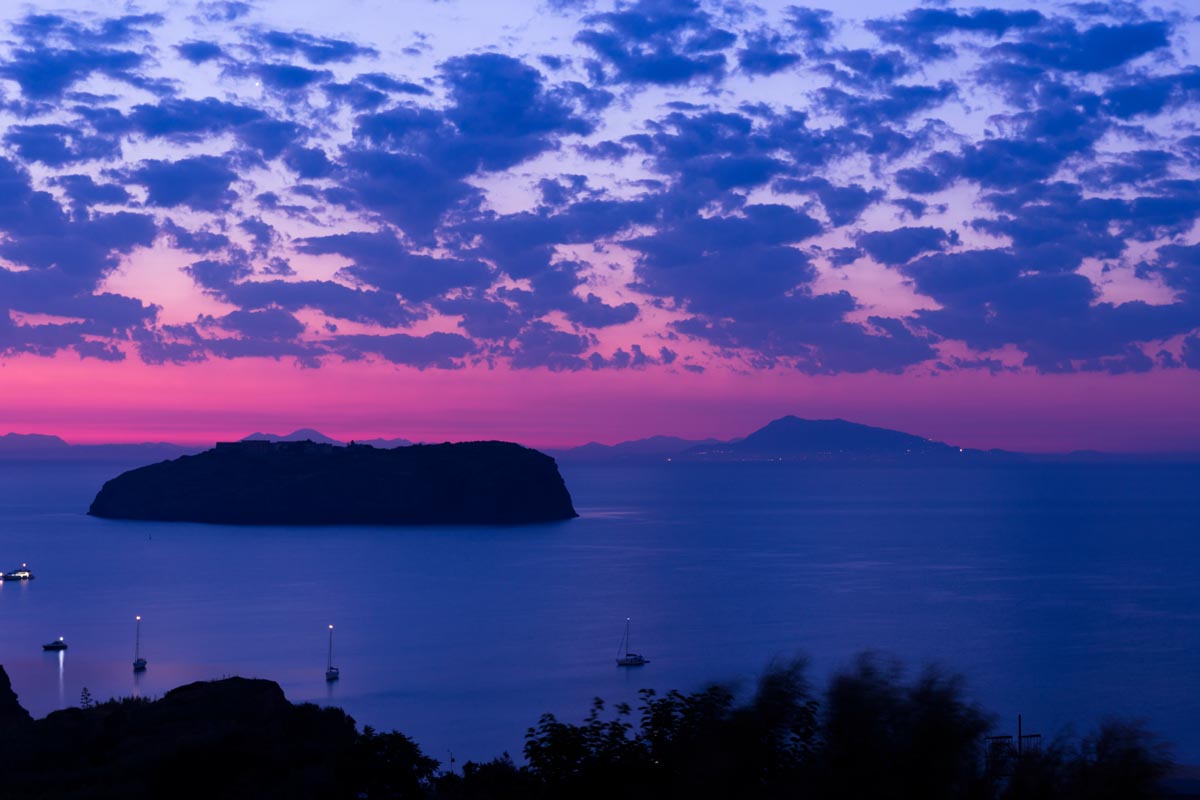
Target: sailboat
<point>626,658</point>
<point>331,672</point>
<point>139,663</point>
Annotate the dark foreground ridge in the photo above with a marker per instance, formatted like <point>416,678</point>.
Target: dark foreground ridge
<point>305,483</point>
<point>872,733</point>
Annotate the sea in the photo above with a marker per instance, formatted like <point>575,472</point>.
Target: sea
<point>1064,593</point>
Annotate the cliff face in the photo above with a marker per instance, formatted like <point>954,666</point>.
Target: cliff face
<point>12,715</point>
<point>304,483</point>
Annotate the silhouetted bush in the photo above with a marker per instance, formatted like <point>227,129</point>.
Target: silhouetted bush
<point>874,733</point>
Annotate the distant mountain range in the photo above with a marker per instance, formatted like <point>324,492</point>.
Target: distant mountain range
<point>311,435</point>
<point>40,447</point>
<point>788,438</point>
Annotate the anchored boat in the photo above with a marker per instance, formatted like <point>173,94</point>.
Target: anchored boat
<point>139,663</point>
<point>22,574</point>
<point>331,672</point>
<point>625,658</point>
<point>60,644</point>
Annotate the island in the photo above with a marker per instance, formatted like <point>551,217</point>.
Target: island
<point>825,442</point>
<point>310,483</point>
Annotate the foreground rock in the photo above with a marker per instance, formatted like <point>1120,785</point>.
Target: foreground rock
<point>305,483</point>
<point>233,738</point>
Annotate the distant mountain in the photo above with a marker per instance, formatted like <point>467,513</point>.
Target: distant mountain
<point>308,434</point>
<point>39,446</point>
<point>301,435</point>
<point>793,438</point>
<point>788,439</point>
<point>30,443</point>
<point>655,448</point>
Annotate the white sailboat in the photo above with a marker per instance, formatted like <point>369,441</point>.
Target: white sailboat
<point>625,658</point>
<point>139,663</point>
<point>331,672</point>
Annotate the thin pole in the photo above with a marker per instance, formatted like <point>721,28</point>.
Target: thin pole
<point>137,639</point>
<point>330,647</point>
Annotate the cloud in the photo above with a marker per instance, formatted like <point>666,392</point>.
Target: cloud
<point>920,30</point>
<point>289,77</point>
<point>315,49</point>
<point>330,298</point>
<point>816,25</point>
<point>543,345</point>
<point>83,191</point>
<point>766,52</point>
<point>270,323</point>
<point>434,350</point>
<point>903,244</point>
<point>843,204</point>
<point>198,52</point>
<point>661,42</point>
<point>989,300</point>
<point>55,53</point>
<point>381,260</point>
<point>59,145</point>
<point>644,183</point>
<point>1062,46</point>
<point>201,183</point>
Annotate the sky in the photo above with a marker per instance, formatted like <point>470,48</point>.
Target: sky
<point>557,221</point>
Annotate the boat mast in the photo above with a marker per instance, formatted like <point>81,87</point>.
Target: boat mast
<point>137,639</point>
<point>623,649</point>
<point>330,647</point>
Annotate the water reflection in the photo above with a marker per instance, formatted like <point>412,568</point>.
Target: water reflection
<point>62,693</point>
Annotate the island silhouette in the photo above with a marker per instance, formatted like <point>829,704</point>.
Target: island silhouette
<point>309,483</point>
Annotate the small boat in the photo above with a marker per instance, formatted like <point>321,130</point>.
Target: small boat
<point>55,645</point>
<point>624,657</point>
<point>22,574</point>
<point>139,663</point>
<point>331,672</point>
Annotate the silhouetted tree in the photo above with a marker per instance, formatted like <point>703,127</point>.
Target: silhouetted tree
<point>1121,760</point>
<point>884,738</point>
<point>390,766</point>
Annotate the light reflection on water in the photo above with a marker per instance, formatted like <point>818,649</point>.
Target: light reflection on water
<point>1062,593</point>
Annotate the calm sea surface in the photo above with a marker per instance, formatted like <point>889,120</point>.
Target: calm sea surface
<point>1063,593</point>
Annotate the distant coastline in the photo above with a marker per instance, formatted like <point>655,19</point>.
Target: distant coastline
<point>790,438</point>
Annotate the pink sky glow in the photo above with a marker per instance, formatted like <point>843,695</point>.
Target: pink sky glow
<point>88,402</point>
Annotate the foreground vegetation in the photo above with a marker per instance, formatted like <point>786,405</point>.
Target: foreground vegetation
<point>872,733</point>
